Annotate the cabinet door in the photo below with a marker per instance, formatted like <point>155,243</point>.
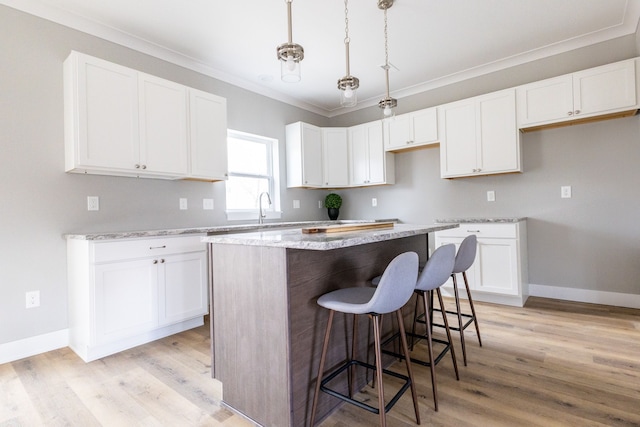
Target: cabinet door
<point>335,157</point>
<point>207,136</point>
<point>546,100</point>
<point>182,286</point>
<point>605,88</point>
<point>101,117</point>
<point>398,131</point>
<point>497,266</point>
<point>358,155</point>
<point>458,155</point>
<point>499,149</point>
<point>163,126</point>
<point>125,299</point>
<point>376,153</point>
<point>424,126</point>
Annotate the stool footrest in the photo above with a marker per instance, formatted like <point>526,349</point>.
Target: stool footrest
<point>375,410</point>
<point>453,328</point>
<point>418,361</point>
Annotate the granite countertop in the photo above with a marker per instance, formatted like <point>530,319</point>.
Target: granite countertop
<point>210,230</point>
<point>479,220</point>
<point>296,239</point>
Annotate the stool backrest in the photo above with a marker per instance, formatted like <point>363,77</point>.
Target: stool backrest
<point>438,269</point>
<point>466,254</point>
<point>396,284</point>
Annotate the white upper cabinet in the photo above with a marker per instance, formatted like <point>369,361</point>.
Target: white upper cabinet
<point>119,121</point>
<point>304,155</point>
<point>479,136</point>
<point>207,136</point>
<point>163,127</point>
<point>101,115</point>
<point>411,130</point>
<point>594,92</point>
<point>335,156</point>
<point>370,164</point>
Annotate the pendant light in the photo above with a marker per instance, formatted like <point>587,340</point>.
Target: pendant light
<point>387,104</point>
<point>290,54</point>
<point>348,84</point>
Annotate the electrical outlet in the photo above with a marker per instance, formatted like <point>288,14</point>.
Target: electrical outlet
<point>296,204</point>
<point>491,196</point>
<point>319,204</point>
<point>183,204</point>
<point>207,204</point>
<point>565,192</point>
<point>33,299</point>
<point>374,202</point>
<point>93,203</point>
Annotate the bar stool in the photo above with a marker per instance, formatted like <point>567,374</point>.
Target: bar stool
<point>394,290</point>
<point>435,274</point>
<point>464,259</point>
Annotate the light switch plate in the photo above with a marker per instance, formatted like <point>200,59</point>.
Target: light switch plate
<point>183,204</point>
<point>296,204</point>
<point>374,202</point>
<point>565,192</point>
<point>491,196</point>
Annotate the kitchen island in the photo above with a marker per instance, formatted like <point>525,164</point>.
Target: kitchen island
<point>266,328</point>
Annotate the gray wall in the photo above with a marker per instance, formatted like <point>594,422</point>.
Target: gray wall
<point>588,242</point>
<point>40,202</point>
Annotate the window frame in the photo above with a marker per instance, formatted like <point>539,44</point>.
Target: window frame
<point>273,172</point>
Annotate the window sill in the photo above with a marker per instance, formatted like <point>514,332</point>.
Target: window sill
<point>251,215</point>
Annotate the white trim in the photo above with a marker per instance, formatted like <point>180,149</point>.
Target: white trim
<point>585,295</point>
<point>31,346</point>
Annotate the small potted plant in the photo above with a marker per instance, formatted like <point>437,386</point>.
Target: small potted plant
<point>333,202</point>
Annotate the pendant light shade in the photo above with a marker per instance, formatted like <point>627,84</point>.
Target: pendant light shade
<point>348,84</point>
<point>387,104</point>
<point>290,54</point>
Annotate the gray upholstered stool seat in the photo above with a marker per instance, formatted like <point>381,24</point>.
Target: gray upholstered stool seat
<point>394,290</point>
<point>464,260</point>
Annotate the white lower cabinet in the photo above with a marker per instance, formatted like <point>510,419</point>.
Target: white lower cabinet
<point>499,272</point>
<point>123,293</point>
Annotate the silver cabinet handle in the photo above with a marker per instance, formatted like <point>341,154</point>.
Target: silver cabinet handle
<point>570,113</point>
<point>162,261</point>
<point>473,231</point>
<point>137,166</point>
<point>158,247</point>
<point>577,112</point>
<point>155,261</point>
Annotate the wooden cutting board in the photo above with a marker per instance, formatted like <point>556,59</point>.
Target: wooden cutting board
<point>347,227</point>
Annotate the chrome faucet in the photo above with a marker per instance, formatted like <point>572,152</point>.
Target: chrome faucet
<point>262,214</point>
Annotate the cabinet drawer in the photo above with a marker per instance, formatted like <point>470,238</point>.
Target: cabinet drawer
<point>502,230</point>
<point>114,250</point>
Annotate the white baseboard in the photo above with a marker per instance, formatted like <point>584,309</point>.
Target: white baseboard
<point>584,295</point>
<point>31,346</point>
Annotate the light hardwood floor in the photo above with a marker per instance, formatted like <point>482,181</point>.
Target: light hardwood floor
<point>551,363</point>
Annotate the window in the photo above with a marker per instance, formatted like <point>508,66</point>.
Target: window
<point>253,169</point>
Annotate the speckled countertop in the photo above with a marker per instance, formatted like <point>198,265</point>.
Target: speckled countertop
<point>479,220</point>
<point>210,230</point>
<point>295,239</point>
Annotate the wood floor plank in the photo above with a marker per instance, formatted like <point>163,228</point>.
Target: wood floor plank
<point>551,363</point>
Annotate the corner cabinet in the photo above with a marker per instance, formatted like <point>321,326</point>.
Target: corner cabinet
<point>123,293</point>
<point>479,136</point>
<point>122,122</point>
<point>499,273</point>
<point>604,90</point>
<point>370,163</point>
<point>412,130</point>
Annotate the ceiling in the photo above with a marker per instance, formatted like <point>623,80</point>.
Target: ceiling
<point>431,42</point>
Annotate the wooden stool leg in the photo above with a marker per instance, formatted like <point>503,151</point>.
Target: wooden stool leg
<point>446,327</point>
<point>407,359</point>
<point>325,345</point>
<point>473,310</point>
<point>457,298</point>
<point>432,362</point>
<point>378,350</point>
